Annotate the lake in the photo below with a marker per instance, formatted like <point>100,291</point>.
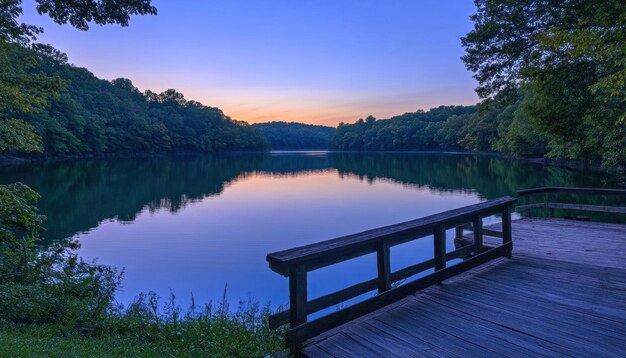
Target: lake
<point>198,223</point>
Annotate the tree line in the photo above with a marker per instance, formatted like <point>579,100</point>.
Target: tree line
<point>293,136</point>
<point>90,115</point>
<point>490,126</point>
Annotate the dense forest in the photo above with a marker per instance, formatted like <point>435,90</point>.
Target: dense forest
<point>90,115</point>
<point>435,129</point>
<point>292,136</point>
<point>490,126</point>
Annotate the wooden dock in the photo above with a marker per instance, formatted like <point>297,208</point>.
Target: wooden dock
<point>563,293</point>
<point>529,287</point>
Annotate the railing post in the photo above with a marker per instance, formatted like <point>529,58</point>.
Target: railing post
<point>550,210</point>
<point>458,232</point>
<point>440,247</point>
<point>477,225</point>
<point>507,233</point>
<point>527,201</point>
<point>384,267</point>
<point>297,295</point>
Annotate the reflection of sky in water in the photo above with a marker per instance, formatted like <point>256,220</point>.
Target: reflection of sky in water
<point>223,239</point>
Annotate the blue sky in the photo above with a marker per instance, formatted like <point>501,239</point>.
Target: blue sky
<point>310,61</point>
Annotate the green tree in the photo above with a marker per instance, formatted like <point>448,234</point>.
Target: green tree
<point>517,136</point>
<point>571,55</point>
<point>21,90</point>
<point>420,130</point>
<point>290,136</point>
<point>101,12</point>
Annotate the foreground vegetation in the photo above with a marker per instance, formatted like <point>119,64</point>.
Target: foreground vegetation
<point>53,302</point>
<point>139,333</point>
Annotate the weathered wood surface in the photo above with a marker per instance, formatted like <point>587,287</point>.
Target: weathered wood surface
<point>563,293</point>
<point>585,242</point>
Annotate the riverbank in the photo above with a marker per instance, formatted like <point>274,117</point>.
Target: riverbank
<point>11,159</point>
<point>151,331</point>
<point>570,164</point>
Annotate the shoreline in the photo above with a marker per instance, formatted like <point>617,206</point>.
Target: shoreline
<point>6,159</point>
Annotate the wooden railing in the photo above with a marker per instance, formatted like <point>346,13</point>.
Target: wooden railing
<point>549,203</point>
<point>297,262</point>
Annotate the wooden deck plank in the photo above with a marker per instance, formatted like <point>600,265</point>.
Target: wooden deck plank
<point>383,341</point>
<point>315,351</point>
<point>593,243</point>
<point>344,345</point>
<point>572,296</point>
<point>536,323</point>
<point>516,343</point>
<point>563,293</point>
<point>443,342</point>
<point>448,320</point>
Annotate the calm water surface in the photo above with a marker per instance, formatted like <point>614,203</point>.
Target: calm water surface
<point>194,224</point>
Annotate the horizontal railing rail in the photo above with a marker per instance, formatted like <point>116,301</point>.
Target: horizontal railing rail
<point>297,262</point>
<point>550,204</point>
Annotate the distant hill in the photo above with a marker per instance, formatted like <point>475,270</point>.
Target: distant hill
<point>294,136</point>
<point>92,116</point>
<point>439,128</point>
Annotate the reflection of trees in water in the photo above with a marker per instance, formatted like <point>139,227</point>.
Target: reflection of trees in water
<point>490,177</point>
<point>78,195</point>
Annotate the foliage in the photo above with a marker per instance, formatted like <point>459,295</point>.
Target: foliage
<point>80,13</point>
<point>411,131</point>
<point>570,56</point>
<point>144,329</point>
<point>50,285</point>
<point>24,89</point>
<point>94,116</point>
<point>11,30</point>
<point>150,328</point>
<point>518,137</point>
<point>18,215</point>
<point>18,135</point>
<point>76,13</point>
<point>499,124</point>
<point>291,135</point>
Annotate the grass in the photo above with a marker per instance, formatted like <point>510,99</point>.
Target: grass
<point>57,341</point>
<point>142,330</point>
